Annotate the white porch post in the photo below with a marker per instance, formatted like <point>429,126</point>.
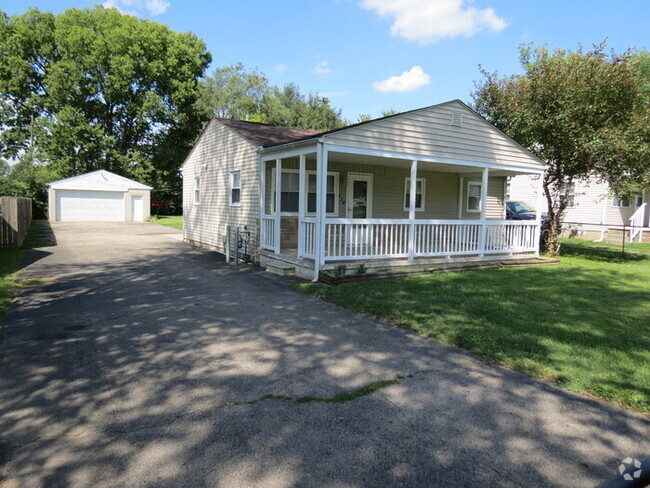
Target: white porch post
<point>413,189</point>
<point>302,194</point>
<point>603,219</point>
<point>278,204</point>
<point>538,212</point>
<point>261,236</point>
<point>484,192</point>
<point>321,208</point>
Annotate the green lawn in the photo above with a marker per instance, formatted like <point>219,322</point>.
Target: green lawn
<point>583,324</point>
<point>642,247</point>
<point>38,236</point>
<point>175,221</point>
<point>10,264</point>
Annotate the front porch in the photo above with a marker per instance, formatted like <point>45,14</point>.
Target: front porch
<point>324,207</point>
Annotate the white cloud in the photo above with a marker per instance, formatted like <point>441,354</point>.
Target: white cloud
<point>322,67</point>
<point>408,81</point>
<point>156,7</point>
<point>428,21</point>
<point>332,94</point>
<point>139,7</point>
<point>280,68</point>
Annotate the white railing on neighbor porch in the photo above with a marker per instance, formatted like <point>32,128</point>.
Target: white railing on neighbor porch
<point>349,239</point>
<point>636,222</point>
<point>268,237</point>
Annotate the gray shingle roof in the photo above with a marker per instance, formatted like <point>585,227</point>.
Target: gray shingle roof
<point>266,135</point>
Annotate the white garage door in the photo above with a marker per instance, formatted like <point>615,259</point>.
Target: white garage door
<point>89,206</point>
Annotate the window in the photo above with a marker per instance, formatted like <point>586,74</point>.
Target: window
<point>639,200</point>
<point>571,194</point>
<point>332,200</point>
<point>235,188</point>
<point>620,201</point>
<point>419,194</point>
<point>291,192</point>
<point>473,196</point>
<point>197,190</point>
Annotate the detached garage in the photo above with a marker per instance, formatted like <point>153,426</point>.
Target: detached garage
<point>100,196</point>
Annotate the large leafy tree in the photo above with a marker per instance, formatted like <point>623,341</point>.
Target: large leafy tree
<point>586,114</point>
<point>92,88</point>
<point>233,92</point>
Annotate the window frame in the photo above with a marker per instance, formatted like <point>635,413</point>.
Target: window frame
<point>617,202</point>
<point>571,194</point>
<point>306,192</point>
<point>196,193</point>
<point>233,187</point>
<point>407,189</point>
<point>638,200</point>
<point>480,202</point>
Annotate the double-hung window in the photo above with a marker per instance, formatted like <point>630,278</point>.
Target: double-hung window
<point>331,203</point>
<point>474,196</point>
<point>419,194</point>
<point>235,188</point>
<point>570,192</point>
<point>620,201</point>
<point>290,191</point>
<point>197,190</point>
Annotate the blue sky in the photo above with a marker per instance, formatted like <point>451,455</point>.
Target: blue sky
<point>369,55</point>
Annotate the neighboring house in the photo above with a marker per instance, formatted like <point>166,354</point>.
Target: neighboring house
<point>417,187</point>
<point>594,210</point>
<point>99,196</point>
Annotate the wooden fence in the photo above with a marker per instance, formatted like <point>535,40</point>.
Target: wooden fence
<point>15,219</point>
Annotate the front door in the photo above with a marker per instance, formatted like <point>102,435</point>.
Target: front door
<point>359,206</point>
<point>359,196</point>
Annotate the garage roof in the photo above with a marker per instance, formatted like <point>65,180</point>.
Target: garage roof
<point>100,180</point>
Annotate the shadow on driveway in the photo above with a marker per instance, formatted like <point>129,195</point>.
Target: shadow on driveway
<point>151,363</point>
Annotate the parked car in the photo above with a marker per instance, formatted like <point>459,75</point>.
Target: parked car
<point>521,211</point>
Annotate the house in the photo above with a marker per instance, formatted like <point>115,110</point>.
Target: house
<point>98,196</point>
<point>424,186</point>
<point>594,211</point>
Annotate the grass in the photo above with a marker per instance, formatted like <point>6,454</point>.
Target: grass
<point>583,324</point>
<point>38,236</point>
<point>174,221</point>
<point>10,264</point>
<point>637,247</point>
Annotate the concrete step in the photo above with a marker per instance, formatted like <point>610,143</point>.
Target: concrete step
<point>281,269</point>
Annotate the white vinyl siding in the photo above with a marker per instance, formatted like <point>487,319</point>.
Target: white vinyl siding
<point>430,132</point>
<point>591,198</point>
<point>218,152</point>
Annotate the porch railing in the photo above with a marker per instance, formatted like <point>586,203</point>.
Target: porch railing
<point>349,239</point>
<point>268,239</point>
<point>636,222</point>
<point>307,245</point>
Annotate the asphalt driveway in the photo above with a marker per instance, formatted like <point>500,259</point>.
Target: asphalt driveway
<point>149,363</point>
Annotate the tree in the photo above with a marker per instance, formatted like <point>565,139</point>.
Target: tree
<point>92,88</point>
<point>233,92</point>
<point>584,113</point>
